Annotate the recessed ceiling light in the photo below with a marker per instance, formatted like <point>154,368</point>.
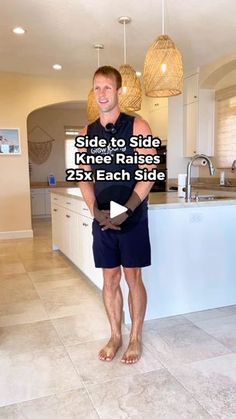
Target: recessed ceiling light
<point>138,73</point>
<point>19,30</point>
<point>57,67</point>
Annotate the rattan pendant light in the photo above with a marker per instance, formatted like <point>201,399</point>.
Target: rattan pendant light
<point>131,96</point>
<point>92,107</point>
<point>163,68</point>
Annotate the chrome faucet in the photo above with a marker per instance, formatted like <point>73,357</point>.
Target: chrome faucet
<point>188,180</point>
<point>233,167</point>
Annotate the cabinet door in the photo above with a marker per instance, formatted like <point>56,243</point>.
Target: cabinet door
<point>191,86</point>
<point>190,129</point>
<point>206,121</point>
<point>57,227</point>
<point>88,267</point>
<point>37,202</point>
<point>158,121</point>
<point>75,243</point>
<point>47,198</point>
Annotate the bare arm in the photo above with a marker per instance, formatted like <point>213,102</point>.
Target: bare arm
<point>88,193</point>
<point>87,188</point>
<point>142,188</point>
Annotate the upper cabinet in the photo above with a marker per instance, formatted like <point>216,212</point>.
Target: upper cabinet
<point>199,118</point>
<point>155,111</point>
<point>191,89</point>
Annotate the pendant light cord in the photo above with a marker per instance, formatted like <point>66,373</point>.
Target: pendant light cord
<point>125,50</point>
<point>163,16</point>
<point>98,56</point>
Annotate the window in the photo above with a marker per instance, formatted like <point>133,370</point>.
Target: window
<point>226,128</point>
<point>70,149</point>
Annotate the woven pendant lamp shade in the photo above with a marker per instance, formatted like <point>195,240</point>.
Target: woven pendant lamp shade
<point>163,69</point>
<point>92,107</point>
<point>131,96</point>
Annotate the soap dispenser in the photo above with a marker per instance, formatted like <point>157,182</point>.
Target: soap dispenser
<point>222,178</point>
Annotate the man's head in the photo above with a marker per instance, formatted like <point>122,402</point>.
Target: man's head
<point>107,86</point>
<point>110,72</point>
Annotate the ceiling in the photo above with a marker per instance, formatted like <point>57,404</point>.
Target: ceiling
<point>64,31</point>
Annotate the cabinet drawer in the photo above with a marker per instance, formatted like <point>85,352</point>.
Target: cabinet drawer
<point>57,199</point>
<point>70,203</point>
<point>73,204</point>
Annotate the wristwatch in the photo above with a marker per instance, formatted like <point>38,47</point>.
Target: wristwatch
<point>129,212</point>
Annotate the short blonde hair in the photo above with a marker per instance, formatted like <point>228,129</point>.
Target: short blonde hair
<point>109,71</point>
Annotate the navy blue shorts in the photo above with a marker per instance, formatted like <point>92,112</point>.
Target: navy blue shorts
<point>131,249</point>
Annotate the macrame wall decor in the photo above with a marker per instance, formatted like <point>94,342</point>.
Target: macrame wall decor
<point>40,144</point>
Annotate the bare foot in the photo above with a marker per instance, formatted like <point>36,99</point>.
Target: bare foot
<point>109,351</point>
<point>132,353</point>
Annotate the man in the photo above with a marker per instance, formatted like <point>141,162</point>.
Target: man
<point>123,240</point>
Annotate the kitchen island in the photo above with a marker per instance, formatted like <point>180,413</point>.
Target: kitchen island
<point>193,250</point>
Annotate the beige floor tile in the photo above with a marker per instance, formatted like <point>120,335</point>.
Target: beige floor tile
<point>33,247</point>
<point>221,328</point>
<point>35,374</point>
<point>28,337</point>
<point>213,383</point>
<point>54,274</point>
<point>43,287</point>
<point>89,324</point>
<point>165,322</point>
<point>196,348</point>
<point>26,311</point>
<point>16,288</point>
<point>8,247</point>
<point>68,405</point>
<point>154,395</point>
<point>64,301</point>
<point>44,263</point>
<point>11,268</point>
<point>210,314</point>
<point>93,371</point>
<point>182,344</point>
<point>9,257</point>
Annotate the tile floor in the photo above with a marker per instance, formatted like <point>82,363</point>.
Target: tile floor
<point>52,324</point>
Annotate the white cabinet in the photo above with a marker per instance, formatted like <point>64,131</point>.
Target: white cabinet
<point>47,197</point>
<point>40,202</point>
<point>155,111</point>
<point>191,88</point>
<point>57,226</point>
<point>37,202</point>
<point>199,118</point>
<point>72,234</point>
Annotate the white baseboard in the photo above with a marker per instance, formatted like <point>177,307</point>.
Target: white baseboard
<point>19,234</point>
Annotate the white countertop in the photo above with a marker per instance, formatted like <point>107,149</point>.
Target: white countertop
<point>168,200</point>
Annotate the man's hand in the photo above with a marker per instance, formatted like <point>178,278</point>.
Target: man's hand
<point>103,217</point>
<point>114,222</point>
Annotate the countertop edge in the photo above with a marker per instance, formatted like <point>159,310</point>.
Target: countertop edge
<point>179,202</point>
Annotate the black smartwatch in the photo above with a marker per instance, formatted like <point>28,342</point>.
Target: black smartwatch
<point>129,212</point>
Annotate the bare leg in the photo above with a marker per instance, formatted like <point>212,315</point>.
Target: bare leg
<point>130,305</point>
<point>113,301</point>
<point>138,303</point>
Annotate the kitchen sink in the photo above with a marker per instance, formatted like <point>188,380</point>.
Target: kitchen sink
<point>210,198</point>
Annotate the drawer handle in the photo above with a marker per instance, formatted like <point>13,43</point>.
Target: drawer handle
<point>55,199</point>
<point>55,210</point>
<point>68,216</point>
<point>69,203</point>
<point>85,225</point>
<point>85,209</point>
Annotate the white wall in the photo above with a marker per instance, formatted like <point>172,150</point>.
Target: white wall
<point>52,120</point>
<point>20,95</point>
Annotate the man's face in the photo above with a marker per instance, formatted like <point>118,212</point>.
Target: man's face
<point>106,92</point>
